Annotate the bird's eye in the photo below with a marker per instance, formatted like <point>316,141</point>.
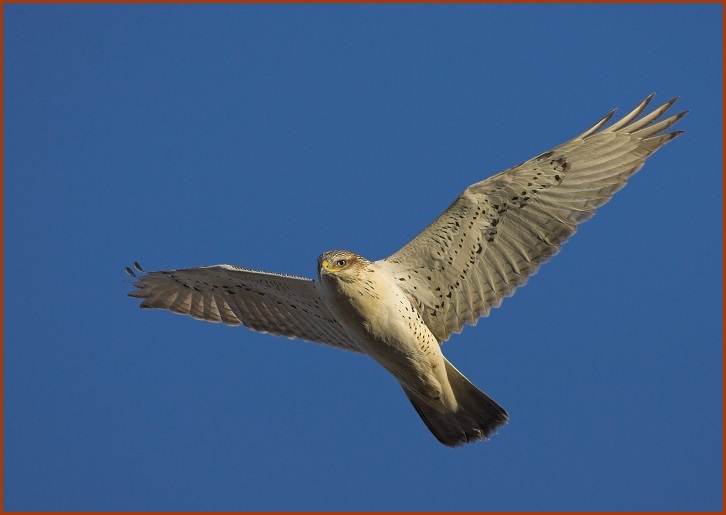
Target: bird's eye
<point>341,262</point>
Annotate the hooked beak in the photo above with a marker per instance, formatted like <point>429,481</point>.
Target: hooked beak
<point>324,267</point>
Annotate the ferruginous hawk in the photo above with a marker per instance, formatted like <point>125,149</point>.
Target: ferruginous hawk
<point>398,310</point>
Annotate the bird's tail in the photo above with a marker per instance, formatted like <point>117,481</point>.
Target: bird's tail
<point>476,417</point>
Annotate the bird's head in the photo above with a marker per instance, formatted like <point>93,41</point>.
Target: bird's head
<point>340,264</point>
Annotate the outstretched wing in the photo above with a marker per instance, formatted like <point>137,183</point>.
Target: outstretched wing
<point>500,230</point>
<point>278,304</point>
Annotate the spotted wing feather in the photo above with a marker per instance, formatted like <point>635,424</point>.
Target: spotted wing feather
<point>278,304</point>
<point>498,232</point>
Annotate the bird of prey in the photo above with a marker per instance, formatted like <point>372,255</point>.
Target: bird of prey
<point>400,309</point>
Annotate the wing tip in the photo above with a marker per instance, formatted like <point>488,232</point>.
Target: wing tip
<point>136,266</point>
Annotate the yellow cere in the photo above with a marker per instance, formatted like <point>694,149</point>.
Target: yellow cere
<point>325,263</point>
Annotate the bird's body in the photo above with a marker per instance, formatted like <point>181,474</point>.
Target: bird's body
<point>399,310</point>
<point>383,322</point>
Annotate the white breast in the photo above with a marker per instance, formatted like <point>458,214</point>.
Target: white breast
<point>384,324</point>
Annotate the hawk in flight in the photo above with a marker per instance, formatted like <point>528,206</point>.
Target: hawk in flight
<point>400,309</point>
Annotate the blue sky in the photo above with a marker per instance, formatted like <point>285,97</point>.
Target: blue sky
<point>263,135</point>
